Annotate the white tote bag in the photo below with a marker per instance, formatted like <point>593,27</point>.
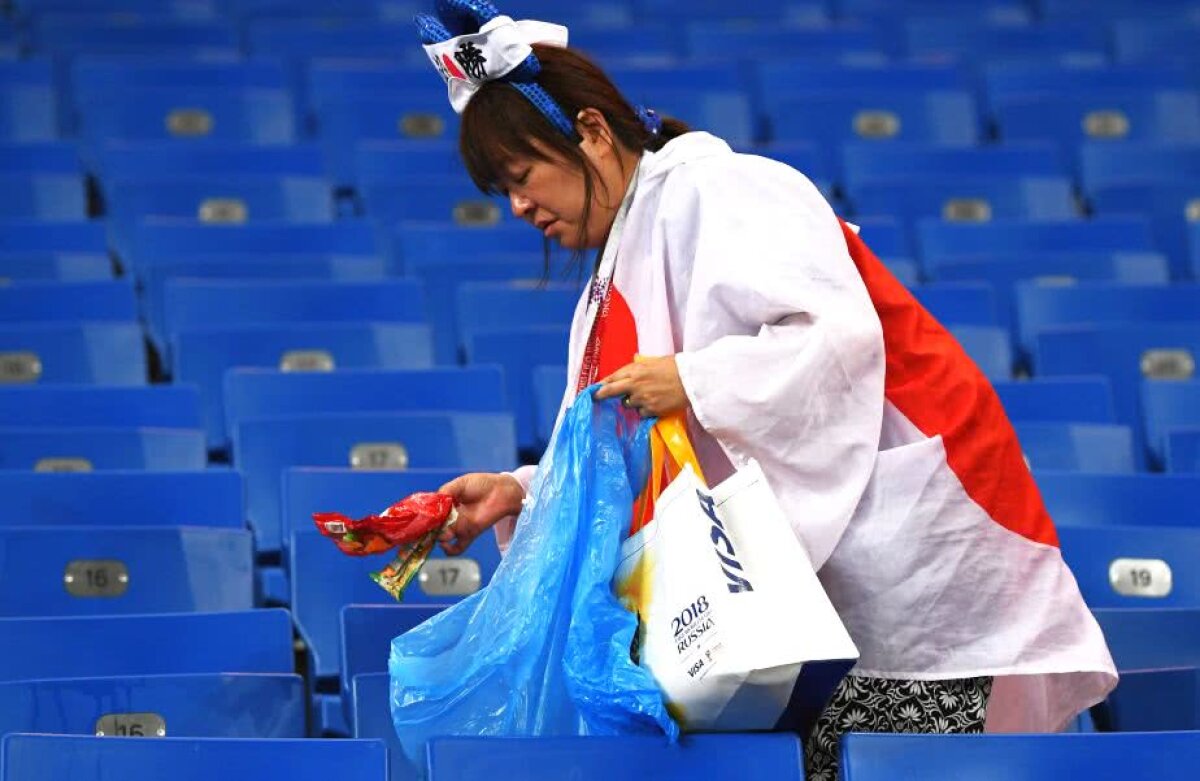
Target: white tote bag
<point>729,605</point>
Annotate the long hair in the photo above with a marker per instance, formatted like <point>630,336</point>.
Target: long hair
<point>500,124</point>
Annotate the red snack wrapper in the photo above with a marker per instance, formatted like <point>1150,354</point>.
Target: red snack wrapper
<point>404,523</point>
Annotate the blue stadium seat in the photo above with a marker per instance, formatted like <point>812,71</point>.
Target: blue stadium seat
<point>886,237</point>
<point>1077,447</point>
<point>366,638</point>
<point>32,236</point>
<point>441,277</point>
<point>324,580</point>
<point>609,12</point>
<point>1168,405</point>
<point>1183,451</point>
<point>983,40</point>
<point>967,199</point>
<point>169,159</point>
<point>1023,236</point>
<point>92,352</point>
<point>312,38</point>
<point>1108,9</point>
<point>412,116</point>
<point>198,303</point>
<point>519,351</point>
<point>645,80</point>
<point>39,157</point>
<point>866,161</point>
<point>55,267</point>
<point>1154,701</point>
<point>768,39</point>
<point>28,109</point>
<point>989,347</point>
<point>1058,400</point>
<point>371,717</point>
<point>210,498</point>
<point>265,446</point>
<point>1169,756</point>
<point>354,492</point>
<point>51,197</point>
<point>387,161</point>
<point>216,200</point>
<point>255,393</point>
<point>945,117</point>
<point>232,266</point>
<point>494,306</point>
<point>960,303</point>
<point>765,11</point>
<point>1121,332</point>
<point>784,76</point>
<point>161,644</point>
<point>1150,638</point>
<point>86,449</point>
<point>1134,567</point>
<point>69,34</point>
<point>1102,115</point>
<point>906,271</point>
<point>73,758</point>
<point>431,243</point>
<point>1076,499</point>
<point>213,705</point>
<point>1107,165</point>
<point>725,113</point>
<point>1171,208</point>
<point>153,406</point>
<point>152,241</point>
<point>647,41</point>
<point>593,758</point>
<point>807,158</point>
<point>1155,39</point>
<point>202,354</point>
<point>121,570</point>
<point>449,200</point>
<point>549,383</point>
<point>63,302</point>
<point>1005,80</point>
<point>355,83</point>
<point>1194,241</point>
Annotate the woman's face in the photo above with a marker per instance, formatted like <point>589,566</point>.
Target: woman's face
<point>550,194</point>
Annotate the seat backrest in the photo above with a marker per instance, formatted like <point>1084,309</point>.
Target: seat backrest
<point>1103,163</point>
<point>160,406</point>
<point>1064,400</point>
<point>549,383</point>
<point>264,447</point>
<point>1108,234</point>
<point>1155,701</point>
<point>705,756</point>
<point>123,570</point>
<point>1183,451</point>
<point>1166,405</point>
<point>85,449</point>
<point>72,758</point>
<point>251,393</point>
<point>211,497</point>
<point>60,302</point>
<point>205,705</point>
<point>55,267</point>
<point>119,160</point>
<point>370,703</point>
<point>152,240</point>
<point>1120,500</point>
<point>367,634</point>
<point>324,580</point>
<point>494,306</point>
<point>102,353</point>
<point>202,354</point>
<point>1147,638</point>
<point>1134,567</point>
<point>960,303</point>
<point>873,757</point>
<point>865,161</point>
<point>519,350</point>
<point>1078,447</point>
<point>948,117</point>
<point>96,646</point>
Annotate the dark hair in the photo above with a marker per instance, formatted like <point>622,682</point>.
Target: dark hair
<point>500,124</point>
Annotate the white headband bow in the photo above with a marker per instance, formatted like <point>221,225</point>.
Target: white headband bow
<point>467,62</point>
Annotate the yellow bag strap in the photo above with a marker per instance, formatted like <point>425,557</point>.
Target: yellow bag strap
<point>672,431</point>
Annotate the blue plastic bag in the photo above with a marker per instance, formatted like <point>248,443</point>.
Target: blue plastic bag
<point>544,649</point>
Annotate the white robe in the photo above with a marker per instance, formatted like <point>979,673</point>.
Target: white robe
<point>738,266</point>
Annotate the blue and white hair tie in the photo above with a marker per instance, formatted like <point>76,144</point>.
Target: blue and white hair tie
<point>471,43</point>
<point>650,120</point>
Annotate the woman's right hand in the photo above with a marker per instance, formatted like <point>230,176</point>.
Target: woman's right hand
<point>482,499</point>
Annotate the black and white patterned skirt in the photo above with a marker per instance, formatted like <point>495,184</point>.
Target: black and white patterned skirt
<point>862,704</point>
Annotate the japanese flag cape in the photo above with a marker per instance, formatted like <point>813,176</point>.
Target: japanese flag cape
<point>887,448</point>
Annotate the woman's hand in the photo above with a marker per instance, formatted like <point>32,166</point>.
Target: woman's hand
<point>649,385</point>
<point>482,499</point>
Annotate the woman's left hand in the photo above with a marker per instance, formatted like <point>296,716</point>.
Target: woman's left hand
<point>649,385</point>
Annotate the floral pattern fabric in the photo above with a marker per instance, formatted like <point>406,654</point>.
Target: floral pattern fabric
<point>863,704</point>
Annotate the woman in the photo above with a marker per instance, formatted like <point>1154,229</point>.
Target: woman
<point>786,341</point>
